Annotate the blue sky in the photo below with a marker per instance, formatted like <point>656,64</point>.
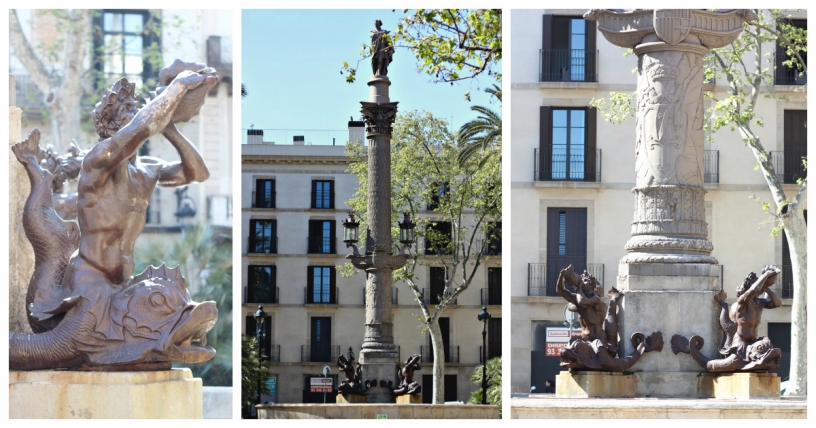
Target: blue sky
<point>291,68</point>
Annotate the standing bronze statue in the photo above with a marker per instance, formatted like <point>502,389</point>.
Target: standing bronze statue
<point>353,384</point>
<point>597,347</point>
<point>742,349</point>
<point>81,299</point>
<point>382,51</point>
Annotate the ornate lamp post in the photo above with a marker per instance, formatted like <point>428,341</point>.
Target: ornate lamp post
<point>406,236</point>
<point>260,317</point>
<point>484,316</point>
<point>379,354</point>
<point>351,233</point>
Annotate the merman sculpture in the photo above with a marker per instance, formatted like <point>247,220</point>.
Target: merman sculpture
<point>84,305</point>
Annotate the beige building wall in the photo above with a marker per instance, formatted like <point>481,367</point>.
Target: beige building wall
<point>735,222</point>
<point>294,168</point>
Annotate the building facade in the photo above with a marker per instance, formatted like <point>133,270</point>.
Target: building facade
<point>572,176</point>
<point>292,206</point>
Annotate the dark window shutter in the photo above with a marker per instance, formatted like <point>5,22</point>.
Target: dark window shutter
<point>590,158</point>
<point>450,388</point>
<point>781,70</point>
<point>252,236</point>
<point>331,195</point>
<point>544,142</point>
<point>250,326</point>
<point>314,236</point>
<point>273,280</point>
<point>252,282</point>
<point>494,337</point>
<point>272,185</point>
<point>314,193</point>
<point>310,284</point>
<point>333,285</point>
<point>333,241</point>
<point>591,55</point>
<point>546,47</point>
<point>259,193</point>
<point>274,238</point>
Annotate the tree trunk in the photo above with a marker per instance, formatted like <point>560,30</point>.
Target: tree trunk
<point>796,232</point>
<point>438,349</point>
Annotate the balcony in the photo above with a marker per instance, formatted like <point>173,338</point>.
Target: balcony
<point>274,354</point>
<point>491,296</point>
<point>554,164</point>
<point>568,65</point>
<point>262,246</point>
<point>489,357</point>
<point>394,294</point>
<point>271,297</point>
<point>269,203</point>
<point>540,282</point>
<point>451,354</point>
<point>319,354</point>
<point>324,298</point>
<point>788,168</point>
<point>789,76</point>
<point>430,299</point>
<point>321,245</point>
<point>711,160</point>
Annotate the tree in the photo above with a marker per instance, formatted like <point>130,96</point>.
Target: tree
<point>494,383</point>
<point>450,45</point>
<point>482,133</point>
<point>737,111</point>
<point>205,256</point>
<point>425,171</point>
<point>252,370</point>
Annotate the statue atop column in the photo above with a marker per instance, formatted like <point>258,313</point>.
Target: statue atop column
<point>742,349</point>
<point>382,51</point>
<point>597,347</point>
<point>83,303</point>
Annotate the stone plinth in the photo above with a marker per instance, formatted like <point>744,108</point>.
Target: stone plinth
<point>544,406</point>
<point>741,386</point>
<point>594,384</point>
<point>48,394</point>
<point>351,399</point>
<point>409,399</point>
<point>373,411</point>
<point>672,298</point>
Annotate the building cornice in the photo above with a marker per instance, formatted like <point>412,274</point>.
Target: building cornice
<point>294,160</point>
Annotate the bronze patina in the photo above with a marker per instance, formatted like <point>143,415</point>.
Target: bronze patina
<point>741,349</point>
<point>353,384</point>
<point>84,305</point>
<point>597,347</point>
<point>407,385</point>
<point>382,51</point>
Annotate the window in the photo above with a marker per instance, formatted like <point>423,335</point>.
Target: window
<point>322,194</point>
<point>437,285</point>
<point>785,75</point>
<point>787,267</point>
<point>493,240</point>
<point>263,236</point>
<point>266,334</point>
<point>494,338</point>
<point>567,145</point>
<point>441,190</point>
<point>261,284</point>
<point>321,237</point>
<point>438,238</point>
<point>449,385</point>
<point>494,287</point>
<point>451,353</point>
<point>566,242</point>
<point>321,349</point>
<point>126,44</point>
<point>568,51</point>
<point>265,194</point>
<point>321,289</point>
<point>789,166</point>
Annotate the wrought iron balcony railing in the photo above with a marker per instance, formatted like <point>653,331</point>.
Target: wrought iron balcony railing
<point>568,65</point>
<point>264,245</point>
<point>491,296</point>
<point>321,245</point>
<point>711,159</point>
<point>319,354</point>
<point>451,354</point>
<point>788,168</point>
<point>555,164</point>
<point>324,297</point>
<point>541,280</point>
<point>267,295</point>
<point>430,299</point>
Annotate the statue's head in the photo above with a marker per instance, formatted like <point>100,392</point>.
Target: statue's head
<point>378,25</point>
<point>746,284</point>
<point>116,108</point>
<point>588,283</point>
<point>157,321</point>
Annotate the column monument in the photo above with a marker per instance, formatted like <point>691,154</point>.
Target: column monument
<point>669,277</point>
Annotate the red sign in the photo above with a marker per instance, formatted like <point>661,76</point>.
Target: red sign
<point>554,348</point>
<point>320,384</point>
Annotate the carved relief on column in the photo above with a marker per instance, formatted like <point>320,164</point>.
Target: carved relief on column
<point>378,117</point>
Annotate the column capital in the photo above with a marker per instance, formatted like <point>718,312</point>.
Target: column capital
<point>378,117</point>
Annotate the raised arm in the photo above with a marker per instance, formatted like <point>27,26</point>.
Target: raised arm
<point>773,300</point>
<point>758,286</point>
<point>191,168</point>
<point>148,121</point>
<point>562,291</point>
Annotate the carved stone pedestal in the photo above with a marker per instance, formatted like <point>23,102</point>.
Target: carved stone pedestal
<point>351,399</point>
<point>409,399</point>
<point>48,394</point>
<point>594,385</point>
<point>739,385</point>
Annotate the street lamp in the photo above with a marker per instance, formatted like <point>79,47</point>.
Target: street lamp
<point>406,234</point>
<point>484,316</point>
<point>350,233</point>
<point>260,317</point>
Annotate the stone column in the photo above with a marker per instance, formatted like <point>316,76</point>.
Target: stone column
<point>669,277</point>
<point>379,355</point>
<point>21,253</point>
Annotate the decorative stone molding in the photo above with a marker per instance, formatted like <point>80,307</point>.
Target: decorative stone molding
<point>378,118</point>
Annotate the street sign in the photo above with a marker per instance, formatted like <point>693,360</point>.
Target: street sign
<point>326,371</point>
<point>558,338</point>
<point>272,383</point>
<point>321,384</point>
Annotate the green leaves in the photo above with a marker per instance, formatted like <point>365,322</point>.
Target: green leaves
<point>494,383</point>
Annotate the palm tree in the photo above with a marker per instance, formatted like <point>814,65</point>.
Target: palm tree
<point>483,132</point>
<point>494,383</point>
<point>244,92</point>
<point>252,369</point>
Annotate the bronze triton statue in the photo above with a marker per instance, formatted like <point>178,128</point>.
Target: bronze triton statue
<point>382,51</point>
<point>407,384</point>
<point>86,309</point>
<point>353,384</point>
<point>597,347</point>
<point>742,349</point>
